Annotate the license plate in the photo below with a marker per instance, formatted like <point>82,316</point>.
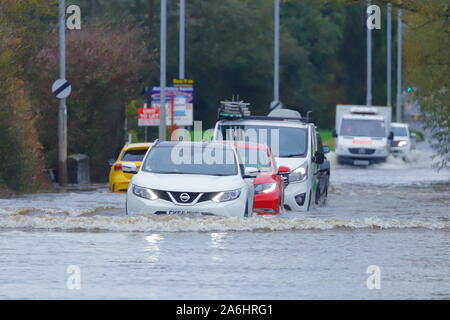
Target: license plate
<point>361,162</point>
<point>183,212</point>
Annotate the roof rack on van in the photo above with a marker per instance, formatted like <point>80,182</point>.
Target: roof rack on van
<point>233,110</point>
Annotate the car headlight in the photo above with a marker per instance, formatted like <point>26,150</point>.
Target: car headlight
<point>144,193</point>
<point>265,187</point>
<point>300,174</point>
<point>402,143</point>
<point>227,195</point>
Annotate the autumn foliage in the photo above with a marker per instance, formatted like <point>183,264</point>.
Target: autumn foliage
<point>103,66</point>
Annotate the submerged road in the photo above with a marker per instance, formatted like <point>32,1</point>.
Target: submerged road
<point>394,216</point>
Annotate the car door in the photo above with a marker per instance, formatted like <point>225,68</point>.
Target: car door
<point>321,174</point>
<point>314,168</point>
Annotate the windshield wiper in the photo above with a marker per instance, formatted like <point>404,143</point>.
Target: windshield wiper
<point>168,172</point>
<point>293,155</point>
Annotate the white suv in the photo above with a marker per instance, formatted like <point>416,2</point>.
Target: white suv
<point>293,142</point>
<point>191,178</point>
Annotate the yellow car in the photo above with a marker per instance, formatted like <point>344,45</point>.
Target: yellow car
<point>132,152</point>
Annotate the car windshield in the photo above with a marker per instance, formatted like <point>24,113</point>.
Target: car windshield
<point>256,158</point>
<point>189,159</point>
<point>283,141</point>
<point>134,155</point>
<point>399,131</point>
<point>363,128</point>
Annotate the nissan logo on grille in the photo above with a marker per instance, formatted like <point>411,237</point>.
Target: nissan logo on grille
<point>185,197</point>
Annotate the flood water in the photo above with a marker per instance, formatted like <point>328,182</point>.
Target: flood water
<point>394,216</point>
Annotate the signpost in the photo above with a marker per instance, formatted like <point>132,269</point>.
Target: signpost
<point>61,88</point>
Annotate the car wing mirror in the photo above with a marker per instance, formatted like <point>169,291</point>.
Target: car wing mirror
<point>391,136</point>
<point>250,172</point>
<point>319,157</point>
<point>326,149</point>
<point>334,133</point>
<point>129,167</point>
<point>283,170</point>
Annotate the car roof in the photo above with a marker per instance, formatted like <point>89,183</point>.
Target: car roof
<point>214,144</point>
<point>399,124</point>
<point>140,145</point>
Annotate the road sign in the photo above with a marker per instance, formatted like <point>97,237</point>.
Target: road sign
<point>179,101</point>
<point>275,105</point>
<point>182,82</point>
<point>61,88</point>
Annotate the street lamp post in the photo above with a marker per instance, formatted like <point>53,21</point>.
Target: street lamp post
<point>369,63</point>
<point>399,66</point>
<point>389,55</point>
<point>162,76</point>
<point>182,38</point>
<point>276,77</point>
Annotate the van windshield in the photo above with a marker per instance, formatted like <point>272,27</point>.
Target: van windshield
<point>188,159</point>
<point>399,131</point>
<point>285,142</point>
<point>363,128</point>
<point>256,158</point>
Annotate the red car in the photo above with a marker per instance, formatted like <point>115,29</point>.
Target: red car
<point>269,183</point>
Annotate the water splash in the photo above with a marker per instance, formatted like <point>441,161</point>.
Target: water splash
<point>145,223</point>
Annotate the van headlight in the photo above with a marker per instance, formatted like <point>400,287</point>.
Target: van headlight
<point>265,187</point>
<point>402,143</point>
<point>144,193</point>
<point>300,174</point>
<point>227,195</point>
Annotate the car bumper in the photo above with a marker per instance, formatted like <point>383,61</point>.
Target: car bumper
<point>266,204</point>
<point>137,205</point>
<point>361,160</point>
<point>399,150</point>
<point>296,196</point>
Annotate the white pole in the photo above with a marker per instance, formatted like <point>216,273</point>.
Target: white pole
<point>389,55</point>
<point>62,111</point>
<point>276,78</point>
<point>182,38</point>
<point>162,52</point>
<point>369,63</point>
<point>399,66</point>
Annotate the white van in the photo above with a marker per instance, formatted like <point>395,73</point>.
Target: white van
<point>362,135</point>
<point>293,142</point>
<point>404,139</point>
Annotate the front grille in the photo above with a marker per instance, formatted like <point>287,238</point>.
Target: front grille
<point>361,151</point>
<point>184,197</point>
<point>177,195</point>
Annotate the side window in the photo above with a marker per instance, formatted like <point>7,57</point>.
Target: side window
<point>313,142</point>
<point>319,143</point>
